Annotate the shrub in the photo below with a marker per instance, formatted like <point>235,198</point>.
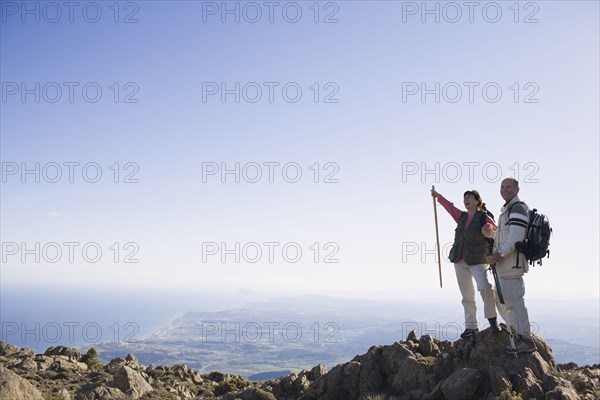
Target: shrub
<point>91,359</point>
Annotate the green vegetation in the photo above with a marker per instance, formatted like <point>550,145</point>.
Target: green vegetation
<point>91,359</point>
<point>508,395</point>
<point>159,395</point>
<point>231,384</point>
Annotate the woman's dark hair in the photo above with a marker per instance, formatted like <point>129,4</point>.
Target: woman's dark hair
<point>477,196</point>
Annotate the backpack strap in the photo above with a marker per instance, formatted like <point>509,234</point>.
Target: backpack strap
<point>519,223</point>
<point>488,212</point>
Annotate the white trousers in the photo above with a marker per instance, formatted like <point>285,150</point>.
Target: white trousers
<point>513,289</point>
<point>464,275</point>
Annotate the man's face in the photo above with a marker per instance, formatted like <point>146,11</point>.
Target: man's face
<point>508,189</point>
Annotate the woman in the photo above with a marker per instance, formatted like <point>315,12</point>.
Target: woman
<point>468,254</point>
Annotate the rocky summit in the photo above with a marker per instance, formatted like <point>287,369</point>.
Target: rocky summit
<point>414,369</point>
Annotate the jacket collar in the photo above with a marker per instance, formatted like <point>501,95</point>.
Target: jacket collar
<point>514,200</point>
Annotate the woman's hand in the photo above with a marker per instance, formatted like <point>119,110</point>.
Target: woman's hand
<point>434,193</point>
<point>488,231</point>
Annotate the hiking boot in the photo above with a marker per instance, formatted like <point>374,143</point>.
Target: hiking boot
<point>516,339</point>
<point>522,345</point>
<point>494,325</point>
<point>468,333</point>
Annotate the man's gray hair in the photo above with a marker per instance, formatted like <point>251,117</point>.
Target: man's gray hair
<point>516,182</point>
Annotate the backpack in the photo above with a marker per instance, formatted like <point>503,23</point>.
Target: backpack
<point>537,239</point>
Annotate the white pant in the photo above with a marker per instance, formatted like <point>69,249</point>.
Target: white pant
<point>513,289</point>
<point>464,275</point>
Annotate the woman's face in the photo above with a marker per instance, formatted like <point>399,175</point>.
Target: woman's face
<point>470,202</point>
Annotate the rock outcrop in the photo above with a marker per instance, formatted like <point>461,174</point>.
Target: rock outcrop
<point>474,368</point>
<point>13,387</point>
<point>416,369</point>
<point>131,382</point>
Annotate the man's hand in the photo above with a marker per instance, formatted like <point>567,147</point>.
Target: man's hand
<point>434,193</point>
<point>494,258</point>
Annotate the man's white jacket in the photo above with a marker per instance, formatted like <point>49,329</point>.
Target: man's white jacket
<point>511,229</point>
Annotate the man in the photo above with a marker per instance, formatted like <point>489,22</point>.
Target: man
<point>511,265</point>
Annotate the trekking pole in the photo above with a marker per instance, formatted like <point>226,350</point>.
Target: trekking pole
<point>437,238</point>
<point>501,298</point>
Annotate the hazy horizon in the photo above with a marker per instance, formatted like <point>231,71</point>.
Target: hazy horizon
<point>69,317</point>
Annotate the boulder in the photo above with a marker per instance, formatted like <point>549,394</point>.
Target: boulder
<point>317,372</point>
<point>43,362</point>
<point>63,351</point>
<point>27,364</point>
<point>67,363</point>
<point>411,375</point>
<point>62,394</point>
<point>342,382</point>
<point>412,336</point>
<point>462,384</point>
<point>131,382</point>
<point>8,350</point>
<point>527,385</point>
<point>131,360</point>
<point>115,365</point>
<point>101,392</point>
<point>427,346</point>
<point>562,393</point>
<point>499,380</point>
<point>13,387</point>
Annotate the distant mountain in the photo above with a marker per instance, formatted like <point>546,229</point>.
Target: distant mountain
<point>565,352</point>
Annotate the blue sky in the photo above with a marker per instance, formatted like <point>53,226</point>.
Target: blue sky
<point>370,135</point>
